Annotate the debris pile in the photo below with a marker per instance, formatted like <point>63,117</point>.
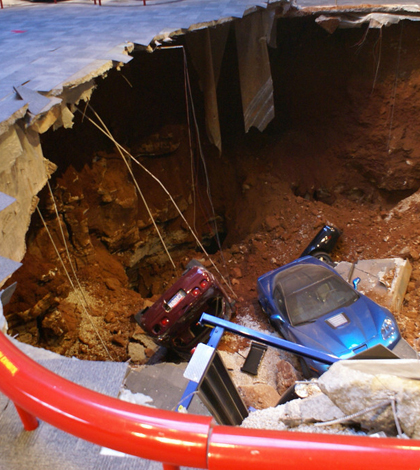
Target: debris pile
<point>275,375</point>
<point>367,397</point>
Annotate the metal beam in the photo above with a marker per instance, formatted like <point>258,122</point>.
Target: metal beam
<point>210,320</point>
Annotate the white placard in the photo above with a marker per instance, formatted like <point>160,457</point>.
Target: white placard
<point>198,363</point>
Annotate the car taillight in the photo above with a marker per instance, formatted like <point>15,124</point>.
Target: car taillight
<point>203,283</point>
<point>196,292</point>
<point>164,321</point>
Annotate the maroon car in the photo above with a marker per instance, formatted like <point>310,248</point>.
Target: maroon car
<point>172,321</point>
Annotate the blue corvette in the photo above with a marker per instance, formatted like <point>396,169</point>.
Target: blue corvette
<point>310,304</point>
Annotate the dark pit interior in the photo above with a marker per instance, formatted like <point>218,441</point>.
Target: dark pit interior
<point>343,149</point>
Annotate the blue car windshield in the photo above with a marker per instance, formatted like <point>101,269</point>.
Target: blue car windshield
<point>310,291</point>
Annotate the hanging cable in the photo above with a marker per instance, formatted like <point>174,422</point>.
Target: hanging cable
<point>72,284</point>
<point>379,41</point>
<point>190,106</point>
<point>187,111</point>
<point>122,150</point>
<point>66,247</point>
<point>394,91</point>
<point>203,162</point>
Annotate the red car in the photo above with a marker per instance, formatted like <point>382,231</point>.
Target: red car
<point>172,321</point>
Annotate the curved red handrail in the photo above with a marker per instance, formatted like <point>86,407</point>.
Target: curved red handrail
<point>182,439</point>
<point>243,449</point>
<point>137,430</point>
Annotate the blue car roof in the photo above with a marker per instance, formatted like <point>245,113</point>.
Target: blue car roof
<point>300,276</point>
<point>306,260</point>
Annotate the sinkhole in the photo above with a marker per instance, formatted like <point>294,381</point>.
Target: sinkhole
<point>139,189</point>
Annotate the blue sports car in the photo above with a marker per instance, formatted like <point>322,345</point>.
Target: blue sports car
<point>310,304</point>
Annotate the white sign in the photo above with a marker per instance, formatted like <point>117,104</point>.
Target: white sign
<point>198,363</point>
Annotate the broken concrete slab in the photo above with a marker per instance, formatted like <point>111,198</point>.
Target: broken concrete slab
<point>94,69</point>
<point>6,294</point>
<point>376,395</point>
<point>404,351</point>
<point>404,368</point>
<point>207,47</point>
<point>252,35</point>
<point>136,353</point>
<point>11,110</point>
<point>375,20</point>
<point>21,155</point>
<point>359,385</point>
<point>316,408</point>
<point>313,409</point>
<point>383,280</point>
<point>37,103</point>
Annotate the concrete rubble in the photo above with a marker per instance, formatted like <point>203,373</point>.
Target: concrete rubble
<point>357,385</point>
<point>369,397</point>
<point>141,347</point>
<point>383,280</point>
<point>274,377</point>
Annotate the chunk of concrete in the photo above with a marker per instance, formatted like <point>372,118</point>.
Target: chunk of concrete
<point>137,353</point>
<point>317,408</point>
<point>359,386</point>
<point>37,103</point>
<point>383,280</point>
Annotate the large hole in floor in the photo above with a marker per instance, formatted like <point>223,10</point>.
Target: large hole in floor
<point>343,149</point>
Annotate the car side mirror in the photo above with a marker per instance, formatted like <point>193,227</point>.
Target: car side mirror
<point>356,282</point>
<point>276,320</point>
<point>275,317</point>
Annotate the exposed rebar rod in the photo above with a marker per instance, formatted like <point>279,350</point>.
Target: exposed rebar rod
<point>355,415</point>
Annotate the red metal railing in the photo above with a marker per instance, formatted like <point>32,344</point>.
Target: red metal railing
<point>181,439</point>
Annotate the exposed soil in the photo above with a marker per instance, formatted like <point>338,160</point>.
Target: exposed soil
<point>344,149</point>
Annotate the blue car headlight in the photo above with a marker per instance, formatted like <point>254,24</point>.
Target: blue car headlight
<point>388,328</point>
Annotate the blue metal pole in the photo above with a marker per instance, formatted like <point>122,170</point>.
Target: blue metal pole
<point>210,320</point>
